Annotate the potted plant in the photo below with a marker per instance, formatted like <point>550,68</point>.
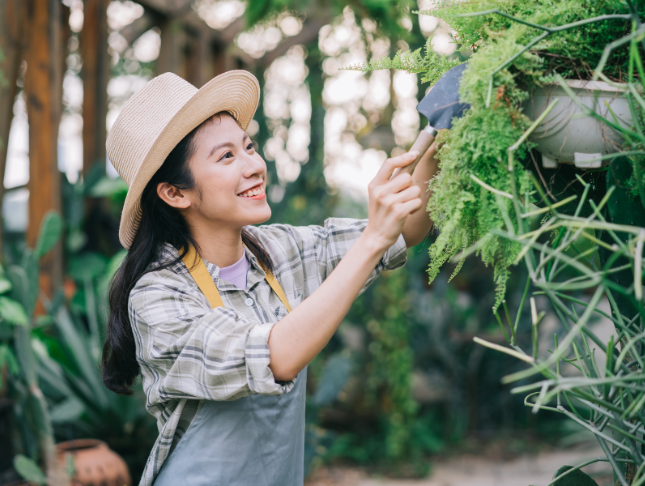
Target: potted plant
<point>576,218</point>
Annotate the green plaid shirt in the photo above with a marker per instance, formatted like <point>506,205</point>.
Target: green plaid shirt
<point>189,352</point>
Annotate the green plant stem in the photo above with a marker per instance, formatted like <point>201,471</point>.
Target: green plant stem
<point>501,324</point>
<point>519,312</point>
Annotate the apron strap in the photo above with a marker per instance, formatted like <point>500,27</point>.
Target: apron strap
<point>204,281</point>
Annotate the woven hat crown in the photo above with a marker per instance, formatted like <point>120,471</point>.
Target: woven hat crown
<point>158,117</point>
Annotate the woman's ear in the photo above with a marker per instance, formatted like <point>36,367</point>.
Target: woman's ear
<point>172,196</point>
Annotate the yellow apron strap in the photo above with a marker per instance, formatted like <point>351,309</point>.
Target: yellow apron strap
<point>204,281</point>
<point>202,278</point>
<point>273,282</point>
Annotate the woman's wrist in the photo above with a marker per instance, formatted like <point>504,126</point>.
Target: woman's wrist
<point>371,245</point>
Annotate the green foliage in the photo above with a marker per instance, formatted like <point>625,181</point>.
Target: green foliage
<point>388,384</point>
<point>573,477</point>
<point>11,311</point>
<point>502,72</point>
<point>423,60</point>
<point>28,470</point>
<point>50,232</point>
<point>35,437</point>
<point>386,13</point>
<point>606,399</point>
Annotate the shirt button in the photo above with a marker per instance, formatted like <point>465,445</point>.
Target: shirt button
<point>249,301</point>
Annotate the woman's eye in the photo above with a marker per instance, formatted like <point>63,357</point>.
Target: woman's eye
<point>252,146</point>
<point>227,155</point>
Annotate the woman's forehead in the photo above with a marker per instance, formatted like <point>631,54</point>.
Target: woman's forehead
<point>220,125</point>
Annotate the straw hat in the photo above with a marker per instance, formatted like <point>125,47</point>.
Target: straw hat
<point>158,117</point>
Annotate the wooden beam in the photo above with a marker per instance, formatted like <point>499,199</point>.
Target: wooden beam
<point>43,89</point>
<point>11,25</point>
<point>95,75</point>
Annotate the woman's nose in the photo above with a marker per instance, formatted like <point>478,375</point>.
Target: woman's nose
<point>253,165</point>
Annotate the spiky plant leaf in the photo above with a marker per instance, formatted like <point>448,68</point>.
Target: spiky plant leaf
<point>51,230</point>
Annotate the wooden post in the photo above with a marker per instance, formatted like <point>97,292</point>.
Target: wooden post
<point>43,90</point>
<point>94,73</point>
<point>11,24</point>
<point>196,59</point>
<point>170,51</point>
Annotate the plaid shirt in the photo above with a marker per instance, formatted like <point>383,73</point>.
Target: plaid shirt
<point>189,352</point>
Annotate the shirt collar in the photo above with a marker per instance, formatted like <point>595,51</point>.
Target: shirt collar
<point>255,275</point>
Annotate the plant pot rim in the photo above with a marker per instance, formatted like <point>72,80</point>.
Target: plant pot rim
<point>78,445</point>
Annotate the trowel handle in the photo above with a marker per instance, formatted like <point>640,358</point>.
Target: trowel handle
<point>421,145</point>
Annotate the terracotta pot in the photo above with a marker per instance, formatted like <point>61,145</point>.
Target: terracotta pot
<point>96,464</point>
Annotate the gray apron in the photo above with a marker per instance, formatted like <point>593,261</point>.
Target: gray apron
<point>254,441</point>
<point>258,440</point>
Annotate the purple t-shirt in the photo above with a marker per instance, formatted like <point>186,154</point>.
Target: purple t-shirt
<point>236,273</point>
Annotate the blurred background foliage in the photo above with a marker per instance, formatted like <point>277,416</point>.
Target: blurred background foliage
<point>402,379</point>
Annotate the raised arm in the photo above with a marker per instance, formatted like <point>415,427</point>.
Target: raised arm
<point>297,338</point>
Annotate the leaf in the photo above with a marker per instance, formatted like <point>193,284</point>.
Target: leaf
<point>5,285</point>
<point>337,371</point>
<point>87,266</point>
<point>28,469</point>
<point>24,281</point>
<point>13,312</point>
<point>107,187</point>
<point>67,411</point>
<point>50,232</point>
<point>575,478</point>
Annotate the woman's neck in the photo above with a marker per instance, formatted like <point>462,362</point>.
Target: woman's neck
<point>220,246</point>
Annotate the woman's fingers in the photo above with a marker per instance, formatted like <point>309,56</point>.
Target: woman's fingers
<point>397,183</point>
<point>388,167</point>
<point>410,206</point>
<point>405,195</point>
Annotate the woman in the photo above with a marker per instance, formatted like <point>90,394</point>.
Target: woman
<point>200,305</point>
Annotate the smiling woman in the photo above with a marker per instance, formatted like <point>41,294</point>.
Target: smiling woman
<point>223,359</point>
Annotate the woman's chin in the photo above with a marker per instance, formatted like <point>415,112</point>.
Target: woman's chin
<point>259,216</point>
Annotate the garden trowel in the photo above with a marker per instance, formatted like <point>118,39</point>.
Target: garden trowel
<point>439,106</point>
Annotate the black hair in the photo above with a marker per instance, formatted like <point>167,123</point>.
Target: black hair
<point>159,224</point>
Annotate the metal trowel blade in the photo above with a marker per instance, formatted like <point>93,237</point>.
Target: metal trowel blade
<point>442,103</point>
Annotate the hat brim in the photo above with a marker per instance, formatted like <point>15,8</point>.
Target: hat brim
<point>236,92</point>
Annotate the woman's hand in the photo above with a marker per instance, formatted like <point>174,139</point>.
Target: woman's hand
<point>391,201</point>
<point>298,337</point>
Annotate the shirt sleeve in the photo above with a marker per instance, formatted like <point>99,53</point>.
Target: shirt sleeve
<point>192,351</point>
<point>321,248</point>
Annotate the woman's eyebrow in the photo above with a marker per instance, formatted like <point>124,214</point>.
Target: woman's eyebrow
<point>219,146</point>
<point>227,144</point>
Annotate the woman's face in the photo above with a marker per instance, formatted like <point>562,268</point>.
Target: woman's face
<point>230,176</point>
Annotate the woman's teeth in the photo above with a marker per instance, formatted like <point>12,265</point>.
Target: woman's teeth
<point>253,192</point>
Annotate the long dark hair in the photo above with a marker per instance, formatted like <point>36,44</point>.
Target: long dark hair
<point>160,223</point>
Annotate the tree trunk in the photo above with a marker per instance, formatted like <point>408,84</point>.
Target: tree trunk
<point>95,75</point>
<point>43,92</point>
<point>11,24</point>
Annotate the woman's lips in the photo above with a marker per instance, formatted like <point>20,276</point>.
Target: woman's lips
<point>254,193</point>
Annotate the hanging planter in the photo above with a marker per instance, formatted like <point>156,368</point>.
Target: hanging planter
<point>568,135</point>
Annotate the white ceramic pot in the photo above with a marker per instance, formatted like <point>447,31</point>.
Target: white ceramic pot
<point>566,135</point>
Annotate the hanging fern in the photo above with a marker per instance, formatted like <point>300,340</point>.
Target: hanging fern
<point>462,210</point>
<point>423,60</point>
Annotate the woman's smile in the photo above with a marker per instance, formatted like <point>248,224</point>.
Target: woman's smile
<point>256,192</point>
